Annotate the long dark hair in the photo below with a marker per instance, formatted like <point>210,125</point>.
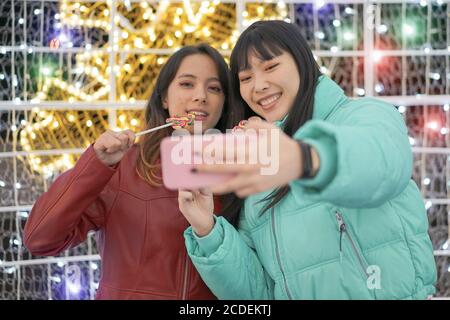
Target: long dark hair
<point>268,39</point>
<point>148,165</point>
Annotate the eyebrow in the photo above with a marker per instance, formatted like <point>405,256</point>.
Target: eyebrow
<point>188,75</point>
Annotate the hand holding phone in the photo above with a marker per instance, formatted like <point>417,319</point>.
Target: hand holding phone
<point>178,156</point>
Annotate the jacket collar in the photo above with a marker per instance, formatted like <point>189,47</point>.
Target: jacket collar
<point>327,98</point>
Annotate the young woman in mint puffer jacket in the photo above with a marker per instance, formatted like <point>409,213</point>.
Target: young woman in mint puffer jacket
<point>341,218</point>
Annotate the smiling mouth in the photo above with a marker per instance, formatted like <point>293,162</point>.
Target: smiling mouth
<point>199,115</point>
<point>270,101</point>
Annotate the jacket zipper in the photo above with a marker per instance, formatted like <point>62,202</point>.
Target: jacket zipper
<point>185,279</point>
<point>278,255</point>
<point>342,229</point>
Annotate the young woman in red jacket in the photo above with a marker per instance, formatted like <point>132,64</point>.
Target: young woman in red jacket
<point>115,188</point>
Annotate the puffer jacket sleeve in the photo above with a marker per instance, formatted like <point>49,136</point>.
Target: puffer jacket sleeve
<point>365,155</point>
<point>227,262</point>
<point>76,202</point>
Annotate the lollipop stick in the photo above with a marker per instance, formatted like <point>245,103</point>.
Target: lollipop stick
<point>154,129</point>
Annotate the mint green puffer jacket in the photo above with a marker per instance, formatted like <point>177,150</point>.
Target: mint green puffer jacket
<point>358,230</point>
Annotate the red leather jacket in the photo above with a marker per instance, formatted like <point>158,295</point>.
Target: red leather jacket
<point>140,229</point>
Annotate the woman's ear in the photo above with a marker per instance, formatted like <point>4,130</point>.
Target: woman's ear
<point>164,103</point>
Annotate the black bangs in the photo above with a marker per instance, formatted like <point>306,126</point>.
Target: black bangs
<point>263,47</point>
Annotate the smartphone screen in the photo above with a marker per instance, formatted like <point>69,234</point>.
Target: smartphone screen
<point>180,153</point>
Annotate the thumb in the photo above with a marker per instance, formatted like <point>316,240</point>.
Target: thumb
<point>205,192</point>
<point>185,195</point>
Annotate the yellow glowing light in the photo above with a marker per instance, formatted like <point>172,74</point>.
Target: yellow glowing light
<point>122,118</point>
<point>189,28</point>
<point>138,42</point>
<point>206,31</point>
<point>89,123</point>
<point>55,124</point>
<point>134,122</point>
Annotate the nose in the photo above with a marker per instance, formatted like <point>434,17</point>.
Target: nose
<point>261,84</point>
<point>200,96</point>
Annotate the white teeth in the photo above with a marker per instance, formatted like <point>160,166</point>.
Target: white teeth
<point>198,113</point>
<point>269,100</point>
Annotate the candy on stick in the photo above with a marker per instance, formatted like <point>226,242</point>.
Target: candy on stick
<point>175,122</point>
<point>181,122</point>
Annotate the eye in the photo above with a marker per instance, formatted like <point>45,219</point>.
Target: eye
<point>245,78</point>
<point>215,89</point>
<point>273,66</point>
<point>186,84</point>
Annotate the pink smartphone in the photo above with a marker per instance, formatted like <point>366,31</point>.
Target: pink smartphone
<point>180,153</point>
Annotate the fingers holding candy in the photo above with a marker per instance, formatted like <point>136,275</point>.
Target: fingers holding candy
<point>240,126</point>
